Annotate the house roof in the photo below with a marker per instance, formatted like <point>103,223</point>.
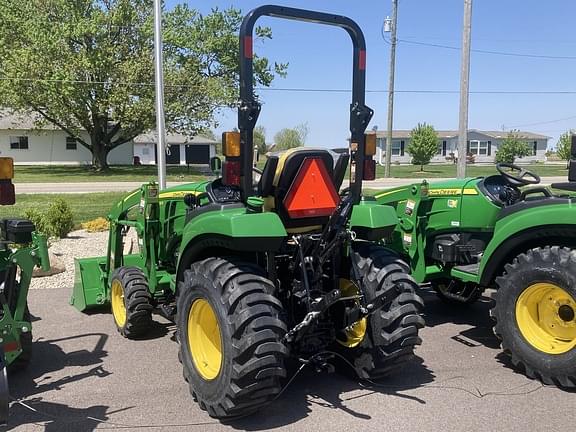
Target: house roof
<point>15,121</point>
<point>454,134</point>
<point>150,137</point>
<point>9,120</point>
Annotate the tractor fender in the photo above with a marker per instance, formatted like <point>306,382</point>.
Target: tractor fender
<point>521,231</point>
<point>372,221</point>
<point>234,230</point>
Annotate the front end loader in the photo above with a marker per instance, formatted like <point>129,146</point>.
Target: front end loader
<point>256,273</point>
<point>463,236</point>
<point>21,249</point>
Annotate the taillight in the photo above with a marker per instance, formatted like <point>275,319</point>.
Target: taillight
<point>369,169</point>
<point>7,195</point>
<point>370,147</point>
<point>231,144</point>
<point>231,173</point>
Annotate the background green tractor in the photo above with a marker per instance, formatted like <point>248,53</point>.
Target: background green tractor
<point>463,236</point>
<point>21,249</point>
<point>257,273</point>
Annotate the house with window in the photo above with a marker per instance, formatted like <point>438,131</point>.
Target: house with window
<point>483,145</point>
<point>27,144</point>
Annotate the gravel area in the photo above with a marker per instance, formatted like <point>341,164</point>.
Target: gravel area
<point>78,244</point>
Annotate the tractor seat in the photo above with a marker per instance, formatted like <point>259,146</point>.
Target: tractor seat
<point>301,185</point>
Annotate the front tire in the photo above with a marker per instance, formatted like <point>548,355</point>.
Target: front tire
<point>131,302</point>
<point>392,331</point>
<point>535,314</point>
<point>231,335</point>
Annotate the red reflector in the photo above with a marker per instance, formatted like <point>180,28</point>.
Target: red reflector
<point>11,346</point>
<point>312,193</point>
<point>248,47</point>
<point>362,60</point>
<point>7,195</point>
<point>369,169</point>
<point>231,173</point>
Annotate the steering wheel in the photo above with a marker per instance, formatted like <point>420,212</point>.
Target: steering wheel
<point>523,178</point>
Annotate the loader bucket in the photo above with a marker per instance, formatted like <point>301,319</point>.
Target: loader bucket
<point>89,283</point>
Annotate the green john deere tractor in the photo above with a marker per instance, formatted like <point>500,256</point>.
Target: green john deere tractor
<point>21,249</point>
<point>463,236</point>
<point>257,273</point>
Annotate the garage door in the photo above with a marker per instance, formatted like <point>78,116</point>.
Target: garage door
<point>173,155</point>
<point>198,154</point>
<point>173,158</point>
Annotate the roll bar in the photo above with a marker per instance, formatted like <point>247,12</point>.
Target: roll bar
<point>249,108</point>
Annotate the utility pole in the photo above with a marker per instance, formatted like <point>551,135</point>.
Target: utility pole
<point>464,90</point>
<point>159,85</point>
<point>391,89</point>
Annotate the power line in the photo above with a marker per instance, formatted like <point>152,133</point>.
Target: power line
<point>297,89</point>
<point>481,51</point>
<point>500,53</point>
<point>543,122</point>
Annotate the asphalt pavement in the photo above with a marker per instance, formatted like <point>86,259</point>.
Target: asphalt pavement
<point>84,376</point>
<point>88,187</point>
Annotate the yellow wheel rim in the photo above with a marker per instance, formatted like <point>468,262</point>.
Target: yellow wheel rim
<point>545,316</point>
<point>204,339</point>
<point>356,332</point>
<point>118,307</point>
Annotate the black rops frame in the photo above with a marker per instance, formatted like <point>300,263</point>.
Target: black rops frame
<point>249,108</point>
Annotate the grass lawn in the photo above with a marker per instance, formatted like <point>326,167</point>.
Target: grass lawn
<point>77,174</point>
<point>449,170</point>
<point>85,207</point>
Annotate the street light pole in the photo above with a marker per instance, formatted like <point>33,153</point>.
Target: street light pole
<point>159,86</point>
<point>464,90</point>
<point>391,89</point>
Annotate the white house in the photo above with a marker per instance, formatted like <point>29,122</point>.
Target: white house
<point>182,150</point>
<point>482,144</point>
<point>27,144</point>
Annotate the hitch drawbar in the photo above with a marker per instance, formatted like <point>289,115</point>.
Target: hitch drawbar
<point>354,314</point>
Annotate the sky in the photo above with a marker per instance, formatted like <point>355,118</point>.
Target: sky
<point>320,57</point>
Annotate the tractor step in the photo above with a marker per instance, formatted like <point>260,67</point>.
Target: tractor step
<point>466,273</point>
<point>468,268</point>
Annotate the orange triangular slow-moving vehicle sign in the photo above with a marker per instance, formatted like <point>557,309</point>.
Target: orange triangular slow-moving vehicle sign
<point>312,193</point>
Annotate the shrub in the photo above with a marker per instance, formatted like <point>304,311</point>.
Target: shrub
<point>96,225</point>
<point>511,148</point>
<point>59,218</point>
<point>37,219</point>
<point>423,144</point>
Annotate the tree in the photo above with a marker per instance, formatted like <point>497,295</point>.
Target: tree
<point>289,138</point>
<point>423,144</point>
<point>512,147</point>
<point>88,65</point>
<point>260,139</point>
<point>564,146</point>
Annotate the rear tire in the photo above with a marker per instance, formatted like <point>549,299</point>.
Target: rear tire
<point>231,334</point>
<point>534,314</point>
<point>131,302</point>
<point>392,331</point>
